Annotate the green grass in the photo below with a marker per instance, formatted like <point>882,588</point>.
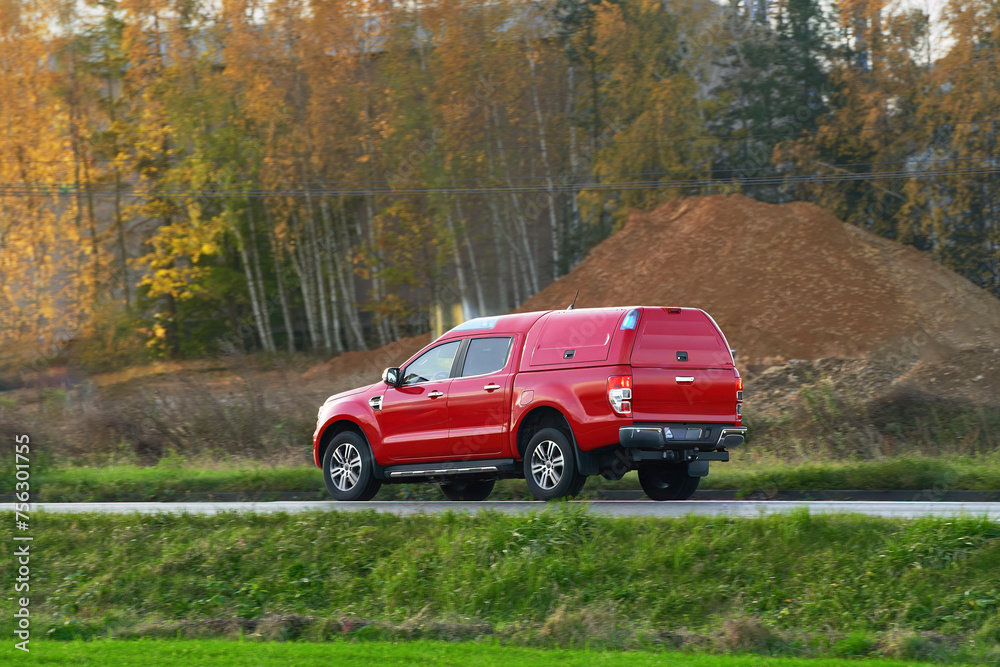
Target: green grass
<point>363,654</point>
<point>174,482</point>
<point>973,473</point>
<point>164,482</point>
<point>797,584</point>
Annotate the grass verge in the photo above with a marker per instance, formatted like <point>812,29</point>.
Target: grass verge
<point>173,482</point>
<point>799,585</point>
<point>218,653</point>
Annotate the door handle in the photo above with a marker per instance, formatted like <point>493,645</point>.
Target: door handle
<point>435,394</point>
<point>684,378</point>
<point>491,387</point>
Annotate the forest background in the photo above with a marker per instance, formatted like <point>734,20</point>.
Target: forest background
<point>184,177</point>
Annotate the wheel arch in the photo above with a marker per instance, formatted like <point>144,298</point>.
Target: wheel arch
<point>335,428</point>
<point>543,416</point>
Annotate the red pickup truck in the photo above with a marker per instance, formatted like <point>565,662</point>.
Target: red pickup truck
<point>552,397</point>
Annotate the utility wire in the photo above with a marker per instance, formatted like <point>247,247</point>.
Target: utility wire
<point>337,189</point>
<point>714,172</point>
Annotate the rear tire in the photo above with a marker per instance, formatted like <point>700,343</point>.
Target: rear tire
<point>667,481</point>
<point>349,468</point>
<point>469,491</point>
<point>575,490</point>
<point>550,466</point>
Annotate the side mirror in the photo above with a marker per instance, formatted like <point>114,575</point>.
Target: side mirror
<point>391,376</point>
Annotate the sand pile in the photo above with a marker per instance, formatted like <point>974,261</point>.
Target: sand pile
<point>784,282</point>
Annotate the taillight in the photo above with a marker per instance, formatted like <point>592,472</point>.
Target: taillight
<point>739,401</point>
<point>620,394</point>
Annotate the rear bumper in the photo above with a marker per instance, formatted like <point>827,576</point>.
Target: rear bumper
<point>681,436</point>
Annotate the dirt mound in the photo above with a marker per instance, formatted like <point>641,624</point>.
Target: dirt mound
<point>784,282</point>
<point>972,375</point>
<point>354,369</point>
<point>775,390</point>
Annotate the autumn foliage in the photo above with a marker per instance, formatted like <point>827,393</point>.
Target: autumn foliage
<point>183,176</point>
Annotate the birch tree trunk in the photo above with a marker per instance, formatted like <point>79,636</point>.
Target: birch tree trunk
<point>330,254</point>
<point>574,164</point>
<point>476,282</point>
<point>251,282</point>
<point>514,272</point>
<point>286,314</point>
<point>540,120</point>
<point>459,271</point>
<point>261,291</point>
<point>319,275</point>
<point>380,328</point>
<point>503,275</point>
<point>347,282</point>
<point>301,266</point>
<point>529,256</point>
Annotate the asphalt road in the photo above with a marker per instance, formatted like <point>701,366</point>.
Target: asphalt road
<point>744,508</point>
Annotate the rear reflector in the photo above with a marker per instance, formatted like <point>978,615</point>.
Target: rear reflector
<point>620,394</point>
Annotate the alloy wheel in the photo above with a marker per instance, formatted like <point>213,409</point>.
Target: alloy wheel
<point>345,466</point>
<point>547,465</point>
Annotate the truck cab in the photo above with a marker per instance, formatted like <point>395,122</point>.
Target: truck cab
<point>552,397</point>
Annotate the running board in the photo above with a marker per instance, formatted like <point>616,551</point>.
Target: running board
<point>484,466</point>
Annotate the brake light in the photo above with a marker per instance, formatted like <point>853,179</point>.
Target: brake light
<point>739,401</point>
<point>620,394</point>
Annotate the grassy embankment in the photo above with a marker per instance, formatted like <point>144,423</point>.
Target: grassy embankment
<point>796,585</point>
<point>138,440</point>
<point>220,653</point>
<point>922,475</point>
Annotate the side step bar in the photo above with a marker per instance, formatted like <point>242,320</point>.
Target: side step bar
<point>481,466</point>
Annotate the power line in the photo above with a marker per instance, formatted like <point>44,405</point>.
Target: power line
<point>336,189</point>
<point>737,171</point>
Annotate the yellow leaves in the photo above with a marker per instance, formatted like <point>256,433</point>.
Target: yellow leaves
<point>364,158</point>
<point>178,249</point>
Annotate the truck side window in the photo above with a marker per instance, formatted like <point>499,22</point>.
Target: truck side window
<point>486,355</point>
<point>434,364</point>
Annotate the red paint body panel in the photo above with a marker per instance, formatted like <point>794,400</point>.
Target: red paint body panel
<point>558,359</point>
<point>480,417</point>
<point>661,386</point>
<point>353,408</point>
<point>660,397</point>
<point>581,394</point>
<point>414,425</point>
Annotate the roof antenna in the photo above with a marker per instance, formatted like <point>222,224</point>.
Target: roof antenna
<point>574,300</point>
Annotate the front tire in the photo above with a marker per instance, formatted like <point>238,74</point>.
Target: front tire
<point>349,468</point>
<point>667,481</point>
<point>470,491</point>
<point>550,466</point>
